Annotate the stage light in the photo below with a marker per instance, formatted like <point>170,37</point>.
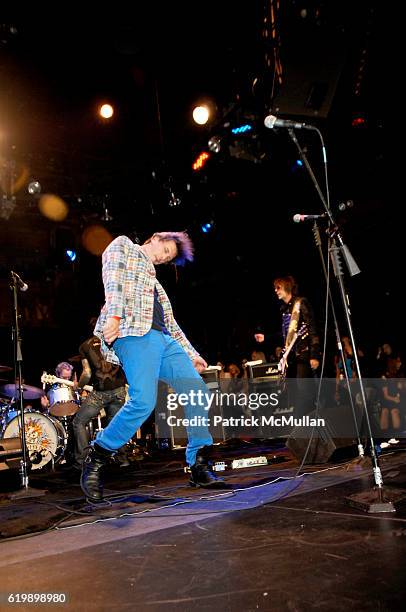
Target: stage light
<point>359,121</point>
<point>299,163</point>
<point>173,200</point>
<point>70,254</point>
<point>215,144</point>
<point>206,227</point>
<point>34,187</point>
<point>106,111</point>
<point>201,115</point>
<point>342,206</point>
<point>106,215</point>
<point>200,160</point>
<point>242,129</point>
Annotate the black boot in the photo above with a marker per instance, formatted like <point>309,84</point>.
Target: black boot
<point>202,472</point>
<point>95,459</point>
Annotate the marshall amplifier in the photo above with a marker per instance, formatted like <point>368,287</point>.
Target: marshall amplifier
<point>260,372</point>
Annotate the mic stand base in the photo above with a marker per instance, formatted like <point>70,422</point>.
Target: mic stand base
<point>377,500</point>
<point>27,492</point>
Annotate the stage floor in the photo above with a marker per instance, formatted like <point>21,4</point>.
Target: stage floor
<point>272,542</point>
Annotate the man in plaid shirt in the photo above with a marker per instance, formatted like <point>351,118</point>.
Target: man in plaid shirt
<point>138,330</point>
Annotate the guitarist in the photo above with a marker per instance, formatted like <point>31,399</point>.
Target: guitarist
<point>108,381</point>
<point>304,357</point>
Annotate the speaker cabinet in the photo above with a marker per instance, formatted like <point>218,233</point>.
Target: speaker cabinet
<point>323,448</point>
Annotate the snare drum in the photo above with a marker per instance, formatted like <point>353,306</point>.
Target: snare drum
<point>45,437</point>
<point>63,401</point>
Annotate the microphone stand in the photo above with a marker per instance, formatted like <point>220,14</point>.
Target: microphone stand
<point>18,360</point>
<point>317,239</point>
<point>375,500</point>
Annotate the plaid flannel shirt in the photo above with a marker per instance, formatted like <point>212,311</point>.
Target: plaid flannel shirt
<point>129,281</point>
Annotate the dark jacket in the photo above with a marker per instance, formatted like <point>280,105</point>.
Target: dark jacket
<point>307,346</point>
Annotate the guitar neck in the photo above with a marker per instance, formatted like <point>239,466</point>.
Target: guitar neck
<point>70,383</point>
<point>286,353</point>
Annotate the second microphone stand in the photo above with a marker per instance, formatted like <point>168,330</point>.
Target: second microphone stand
<point>376,500</point>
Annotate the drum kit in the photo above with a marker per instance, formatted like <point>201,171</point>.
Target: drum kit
<point>48,431</point>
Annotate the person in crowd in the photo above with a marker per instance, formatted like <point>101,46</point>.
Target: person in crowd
<point>383,355</point>
<point>392,391</point>
<point>349,365</point>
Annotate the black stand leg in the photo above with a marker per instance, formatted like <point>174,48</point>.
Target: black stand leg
<point>26,491</point>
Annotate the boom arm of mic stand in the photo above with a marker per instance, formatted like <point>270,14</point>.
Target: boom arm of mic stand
<point>353,269</point>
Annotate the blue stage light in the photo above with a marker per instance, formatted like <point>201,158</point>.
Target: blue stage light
<point>71,255</point>
<point>242,129</point>
<point>206,227</point>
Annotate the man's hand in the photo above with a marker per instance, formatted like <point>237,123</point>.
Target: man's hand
<point>199,364</point>
<point>110,330</point>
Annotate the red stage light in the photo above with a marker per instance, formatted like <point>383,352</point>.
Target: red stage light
<point>201,160</point>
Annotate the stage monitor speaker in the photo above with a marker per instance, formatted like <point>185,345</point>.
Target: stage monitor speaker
<point>323,448</point>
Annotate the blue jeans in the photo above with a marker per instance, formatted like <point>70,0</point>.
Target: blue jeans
<point>145,360</point>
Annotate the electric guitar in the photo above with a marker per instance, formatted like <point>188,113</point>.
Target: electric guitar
<point>49,379</point>
<point>283,363</point>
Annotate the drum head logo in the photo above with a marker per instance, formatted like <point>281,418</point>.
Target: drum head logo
<point>35,436</point>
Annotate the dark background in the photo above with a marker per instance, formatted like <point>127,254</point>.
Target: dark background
<point>153,66</point>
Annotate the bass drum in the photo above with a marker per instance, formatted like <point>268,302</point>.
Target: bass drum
<point>45,437</point>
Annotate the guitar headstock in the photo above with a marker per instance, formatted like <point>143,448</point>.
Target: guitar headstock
<point>48,379</point>
<point>303,332</point>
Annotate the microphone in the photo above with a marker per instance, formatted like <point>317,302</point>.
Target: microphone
<point>21,284</point>
<point>299,218</point>
<point>271,122</point>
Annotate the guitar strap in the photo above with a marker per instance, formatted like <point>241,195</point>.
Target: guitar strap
<point>294,321</point>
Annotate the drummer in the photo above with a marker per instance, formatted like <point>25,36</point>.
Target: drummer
<point>63,370</point>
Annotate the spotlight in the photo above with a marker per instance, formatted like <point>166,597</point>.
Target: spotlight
<point>70,254</point>
<point>34,187</point>
<point>201,115</point>
<point>345,205</point>
<point>106,111</point>
<point>206,227</point>
<point>214,144</point>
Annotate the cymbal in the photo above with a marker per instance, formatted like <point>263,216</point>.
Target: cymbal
<point>29,392</point>
<point>5,368</point>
